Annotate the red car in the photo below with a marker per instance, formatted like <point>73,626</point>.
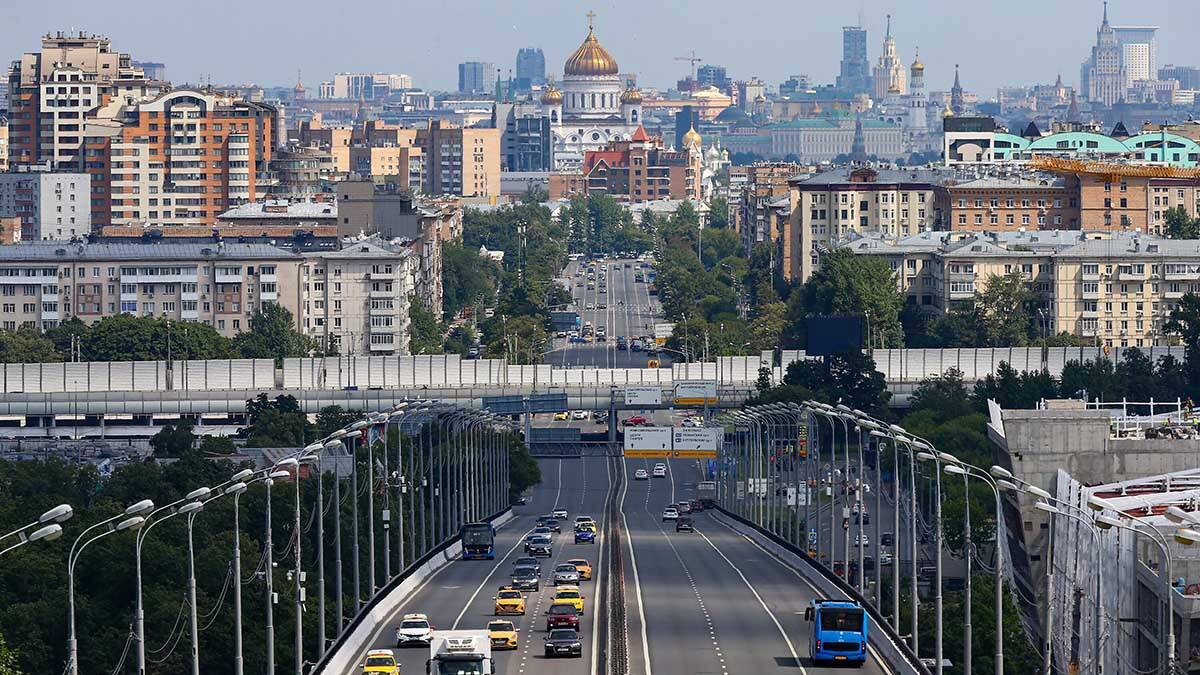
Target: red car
<point>562,616</point>
<point>635,421</point>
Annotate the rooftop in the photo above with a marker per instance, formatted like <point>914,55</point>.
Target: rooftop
<point>54,251</point>
<point>282,209</point>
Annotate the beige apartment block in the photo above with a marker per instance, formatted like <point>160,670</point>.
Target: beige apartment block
<point>45,283</point>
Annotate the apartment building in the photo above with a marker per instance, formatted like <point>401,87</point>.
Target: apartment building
<point>641,169</point>
<point>405,164</point>
<point>49,205</point>
<point>181,158</point>
<point>222,284</point>
<point>335,140</point>
<point>300,172</point>
<point>280,213</point>
<point>1008,203</point>
<point>357,298</point>
<point>760,185</point>
<point>51,94</point>
<point>463,162</point>
<point>3,144</point>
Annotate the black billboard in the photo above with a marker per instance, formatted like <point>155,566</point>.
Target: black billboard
<point>829,335</point>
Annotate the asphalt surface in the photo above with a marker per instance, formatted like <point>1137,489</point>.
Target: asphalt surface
<point>460,595</point>
<point>630,311</point>
<point>709,602</point>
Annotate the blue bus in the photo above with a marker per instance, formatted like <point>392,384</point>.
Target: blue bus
<point>478,541</point>
<point>839,632</point>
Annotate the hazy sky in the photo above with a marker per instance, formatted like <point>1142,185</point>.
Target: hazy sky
<point>266,41</point>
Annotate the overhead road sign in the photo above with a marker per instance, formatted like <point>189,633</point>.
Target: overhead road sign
<point>637,396</point>
<point>655,440</point>
<point>696,392</point>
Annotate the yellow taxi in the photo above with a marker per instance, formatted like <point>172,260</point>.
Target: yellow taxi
<point>584,567</point>
<point>569,595</point>
<point>561,416</point>
<point>509,601</point>
<point>381,662</point>
<point>503,634</point>
<point>589,525</point>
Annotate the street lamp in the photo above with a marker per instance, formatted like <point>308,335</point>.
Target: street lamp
<point>130,518</point>
<point>1094,530</point>
<point>971,471</point>
<point>278,472</point>
<point>927,456</point>
<point>49,529</point>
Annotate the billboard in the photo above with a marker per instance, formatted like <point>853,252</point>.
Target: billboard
<point>696,392</point>
<point>829,335</point>
<point>696,442</point>
<point>643,395</point>
<point>662,331</point>
<point>564,321</point>
<point>648,442</point>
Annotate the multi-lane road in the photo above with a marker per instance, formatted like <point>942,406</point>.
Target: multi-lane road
<point>704,603</point>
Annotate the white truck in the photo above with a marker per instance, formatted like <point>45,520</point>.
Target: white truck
<point>459,652</point>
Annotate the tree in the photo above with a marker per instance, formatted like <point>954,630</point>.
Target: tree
<point>213,446</point>
<point>272,335</point>
<point>523,469</point>
<point>424,333</point>
<point>519,339</point>
<point>718,213</point>
<point>961,327</point>
<point>334,417</point>
<point>943,395</point>
<point>1003,308</point>
<point>24,345</point>
<point>1180,225</point>
<point>766,330</point>
<point>854,285</point>
<point>275,424</point>
<point>173,441</point>
<point>1184,321</point>
<point>8,659</point>
<point>468,279</point>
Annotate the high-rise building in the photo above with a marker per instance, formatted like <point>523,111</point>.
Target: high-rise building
<point>477,77</point>
<point>710,75</point>
<point>531,68</point>
<point>460,162</point>
<point>50,205</point>
<point>890,70</point>
<point>1139,52</point>
<point>1187,76</point>
<point>1102,77</point>
<point>153,70</point>
<point>749,93</point>
<point>50,92</point>
<point>3,144</point>
<point>855,74</point>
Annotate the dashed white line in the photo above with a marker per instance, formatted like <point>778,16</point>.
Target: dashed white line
<point>637,584</point>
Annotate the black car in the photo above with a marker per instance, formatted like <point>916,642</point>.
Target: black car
<point>528,562</point>
<point>550,522</point>
<point>684,524</point>
<point>526,578</point>
<point>563,642</point>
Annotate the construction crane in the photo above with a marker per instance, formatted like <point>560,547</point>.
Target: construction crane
<point>692,60</point>
<point>1114,169</point>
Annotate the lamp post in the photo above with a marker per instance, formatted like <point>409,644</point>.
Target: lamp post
<point>236,491</point>
<point>937,557</point>
<point>1094,530</point>
<point>971,471</point>
<point>278,472</point>
<point>822,410</point>
<point>129,519</point>
<point>354,429</point>
<point>46,528</point>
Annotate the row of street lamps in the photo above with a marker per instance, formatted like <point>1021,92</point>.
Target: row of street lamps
<point>464,480</point>
<point>746,459</point>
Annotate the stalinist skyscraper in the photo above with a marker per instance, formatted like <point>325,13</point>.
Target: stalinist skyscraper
<point>889,71</point>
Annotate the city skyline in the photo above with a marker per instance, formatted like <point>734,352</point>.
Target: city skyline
<point>1053,43</point>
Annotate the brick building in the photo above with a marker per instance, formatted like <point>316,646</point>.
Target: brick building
<point>1007,203</point>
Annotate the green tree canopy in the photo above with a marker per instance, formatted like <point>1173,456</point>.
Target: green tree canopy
<point>24,345</point>
<point>272,335</point>
<point>173,441</point>
<point>853,285</point>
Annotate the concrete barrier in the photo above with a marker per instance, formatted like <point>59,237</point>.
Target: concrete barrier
<point>889,648</point>
<point>343,658</point>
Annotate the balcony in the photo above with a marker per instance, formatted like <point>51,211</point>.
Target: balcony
<point>1090,294</point>
<point>228,278</point>
<point>381,276</point>
<point>1090,276</point>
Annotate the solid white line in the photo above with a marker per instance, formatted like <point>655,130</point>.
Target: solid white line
<point>557,492</point>
<point>598,573</point>
<point>637,584</point>
<point>816,593</point>
<point>758,597</point>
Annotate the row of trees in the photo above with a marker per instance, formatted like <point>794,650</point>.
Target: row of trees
<point>271,334</point>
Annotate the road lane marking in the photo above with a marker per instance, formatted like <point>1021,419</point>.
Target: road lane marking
<point>598,570</point>
<point>637,584</point>
<point>557,493</point>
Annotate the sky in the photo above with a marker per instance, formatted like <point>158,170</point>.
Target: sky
<point>268,41</point>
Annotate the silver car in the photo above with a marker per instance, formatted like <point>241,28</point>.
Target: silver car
<point>566,573</point>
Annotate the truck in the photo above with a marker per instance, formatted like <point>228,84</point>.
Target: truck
<point>460,652</point>
<point>706,492</point>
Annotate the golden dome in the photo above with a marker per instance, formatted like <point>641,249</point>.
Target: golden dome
<point>692,138</point>
<point>917,66</point>
<point>947,111</point>
<point>590,59</point>
<point>551,95</point>
<point>631,95</point>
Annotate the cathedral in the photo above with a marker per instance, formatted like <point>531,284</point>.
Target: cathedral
<point>590,110</point>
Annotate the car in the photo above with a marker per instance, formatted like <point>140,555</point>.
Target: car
<point>684,524</point>
<point>509,601</point>
<point>561,416</point>
<point>684,507</point>
<point>550,522</point>
<point>576,339</point>
<point>542,530</point>
<point>526,578</point>
<point>691,422</point>
<point>868,563</point>
<point>601,338</point>
<point>413,629</point>
<point>866,540</point>
<point>569,594</point>
<point>502,633</point>
<point>590,306</point>
<point>885,539</point>
<point>635,346</point>
<point>562,615</point>
<point>634,421</point>
<point>600,417</point>
<point>579,415</point>
<point>578,284</point>
<point>583,567</point>
<point>583,519</point>
<point>563,642</point>
<point>885,559</point>
<point>670,513</point>
<point>697,505</point>
<point>560,513</point>
<point>566,573</point>
<point>585,535</point>
<point>528,561</point>
<point>539,545</point>
<point>660,470</point>
<point>380,662</point>
<point>641,474</point>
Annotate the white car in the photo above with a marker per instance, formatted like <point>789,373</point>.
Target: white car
<point>561,514</point>
<point>641,474</point>
<point>866,541</point>
<point>670,513</point>
<point>660,470</point>
<point>579,414</point>
<point>414,629</point>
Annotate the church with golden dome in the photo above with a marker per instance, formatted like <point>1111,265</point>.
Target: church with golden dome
<point>591,109</point>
